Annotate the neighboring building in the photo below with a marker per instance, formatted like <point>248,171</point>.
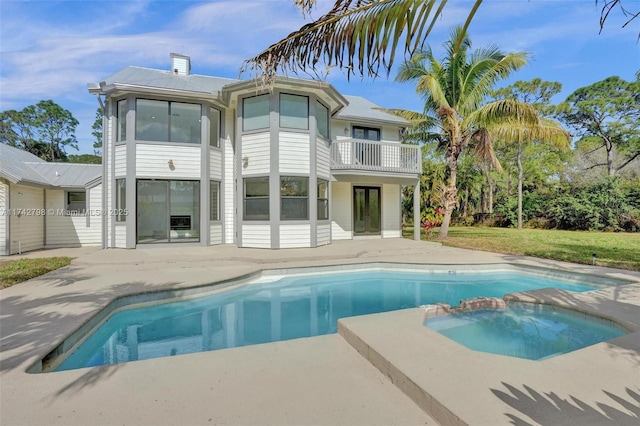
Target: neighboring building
<point>47,205</point>
<point>207,160</point>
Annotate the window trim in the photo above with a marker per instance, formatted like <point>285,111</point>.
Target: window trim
<point>213,183</point>
<point>260,197</point>
<point>280,111</point>
<point>366,129</point>
<point>120,201</point>
<point>318,182</point>
<point>293,197</point>
<point>328,127</point>
<point>169,122</point>
<point>68,202</point>
<point>244,129</point>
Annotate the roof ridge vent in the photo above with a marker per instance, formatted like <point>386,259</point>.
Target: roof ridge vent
<point>180,64</point>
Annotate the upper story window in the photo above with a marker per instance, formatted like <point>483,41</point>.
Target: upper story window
<point>214,127</point>
<point>294,111</point>
<point>255,112</point>
<point>322,120</point>
<point>367,133</point>
<point>164,121</point>
<point>122,120</point>
<point>77,201</point>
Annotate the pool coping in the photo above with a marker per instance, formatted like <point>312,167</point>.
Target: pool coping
<point>369,335</point>
<point>50,361</point>
<point>286,382</point>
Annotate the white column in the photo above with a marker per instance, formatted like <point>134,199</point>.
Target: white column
<point>416,211</point>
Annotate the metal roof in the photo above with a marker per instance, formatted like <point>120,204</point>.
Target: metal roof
<point>153,78</point>
<point>18,166</point>
<point>363,109</point>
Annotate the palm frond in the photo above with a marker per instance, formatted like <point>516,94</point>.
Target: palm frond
<point>361,36</point>
<point>504,110</point>
<point>481,141</point>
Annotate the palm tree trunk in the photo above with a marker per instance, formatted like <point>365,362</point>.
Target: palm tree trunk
<point>490,201</point>
<point>450,195</point>
<point>520,178</point>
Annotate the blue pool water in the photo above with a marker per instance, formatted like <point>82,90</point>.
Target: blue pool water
<point>288,308</point>
<point>522,333</point>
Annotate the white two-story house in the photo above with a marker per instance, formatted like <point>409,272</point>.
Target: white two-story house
<point>193,159</point>
<point>207,160</point>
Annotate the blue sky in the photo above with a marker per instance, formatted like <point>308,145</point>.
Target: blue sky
<point>52,49</point>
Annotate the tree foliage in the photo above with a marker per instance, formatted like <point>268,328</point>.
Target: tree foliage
<point>454,90</point>
<point>608,114</point>
<point>44,129</point>
<point>96,132</point>
<point>359,36</point>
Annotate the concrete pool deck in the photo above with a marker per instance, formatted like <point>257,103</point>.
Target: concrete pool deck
<point>353,377</point>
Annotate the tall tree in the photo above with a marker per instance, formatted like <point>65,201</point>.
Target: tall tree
<point>537,93</point>
<point>96,132</point>
<point>44,129</point>
<point>454,90</point>
<point>607,112</point>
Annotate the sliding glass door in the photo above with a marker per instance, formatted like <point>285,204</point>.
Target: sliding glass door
<point>168,211</point>
<point>366,210</point>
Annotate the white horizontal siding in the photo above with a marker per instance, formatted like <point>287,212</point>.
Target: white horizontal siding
<point>258,236</point>
<point>229,193</point>
<point>26,230</point>
<point>390,134</point>
<point>153,161</point>
<point>391,212</point>
<point>4,204</point>
<point>215,164</point>
<point>257,149</point>
<point>120,162</point>
<point>215,233</point>
<point>292,236</point>
<point>121,236</point>
<point>324,234</point>
<point>74,231</point>
<point>294,153</point>
<point>322,159</point>
<point>342,217</point>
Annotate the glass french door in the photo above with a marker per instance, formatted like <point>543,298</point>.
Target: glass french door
<point>168,211</point>
<point>366,210</point>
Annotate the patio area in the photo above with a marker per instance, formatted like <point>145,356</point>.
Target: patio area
<point>379,369</point>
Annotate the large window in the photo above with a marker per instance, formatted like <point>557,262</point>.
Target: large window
<point>122,120</point>
<point>323,199</point>
<point>164,121</point>
<point>77,201</point>
<point>121,200</point>
<point>256,198</point>
<point>294,198</point>
<point>322,120</point>
<point>214,127</point>
<point>367,133</point>
<point>214,200</point>
<point>255,112</point>
<point>294,111</point>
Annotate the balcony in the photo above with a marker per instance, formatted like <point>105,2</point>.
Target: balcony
<point>356,154</point>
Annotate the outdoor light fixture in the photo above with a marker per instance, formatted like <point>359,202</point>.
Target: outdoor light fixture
<point>245,161</point>
<point>593,258</point>
<point>171,165</point>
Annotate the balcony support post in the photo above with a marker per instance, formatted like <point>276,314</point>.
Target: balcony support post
<point>416,210</point>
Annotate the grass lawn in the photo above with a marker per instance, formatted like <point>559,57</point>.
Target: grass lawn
<point>15,271</point>
<point>616,250</point>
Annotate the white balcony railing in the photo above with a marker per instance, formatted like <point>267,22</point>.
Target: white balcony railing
<point>356,154</point>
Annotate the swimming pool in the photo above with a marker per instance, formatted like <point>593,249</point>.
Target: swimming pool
<point>525,330</point>
<point>282,306</point>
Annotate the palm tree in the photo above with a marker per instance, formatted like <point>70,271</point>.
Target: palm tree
<point>455,89</point>
<point>359,36</point>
